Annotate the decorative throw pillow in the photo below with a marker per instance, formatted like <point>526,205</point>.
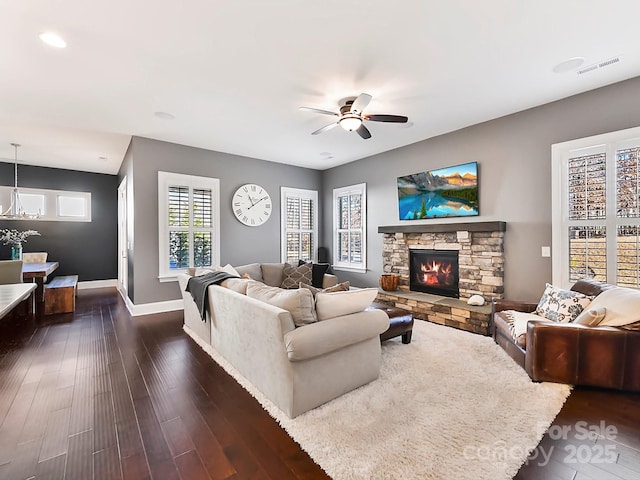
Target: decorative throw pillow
<point>253,270</point>
<point>340,287</point>
<point>591,316</point>
<point>622,304</point>
<point>299,303</point>
<point>560,305</point>
<point>336,304</point>
<point>317,272</point>
<point>292,275</point>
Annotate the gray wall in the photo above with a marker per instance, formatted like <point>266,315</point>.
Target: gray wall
<point>239,244</point>
<point>86,249</point>
<point>514,156</point>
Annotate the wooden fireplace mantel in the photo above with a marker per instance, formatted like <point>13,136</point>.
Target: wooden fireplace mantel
<point>445,227</point>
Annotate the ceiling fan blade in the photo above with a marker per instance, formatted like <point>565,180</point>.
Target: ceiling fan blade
<point>317,110</point>
<point>363,132</point>
<point>387,118</point>
<point>360,103</point>
<point>325,128</point>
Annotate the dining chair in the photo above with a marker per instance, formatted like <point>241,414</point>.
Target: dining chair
<point>10,271</point>
<point>34,257</point>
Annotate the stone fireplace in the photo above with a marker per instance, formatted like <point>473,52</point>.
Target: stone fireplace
<point>479,247</point>
<point>434,271</point>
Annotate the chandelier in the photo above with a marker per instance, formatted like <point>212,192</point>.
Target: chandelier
<point>15,210</point>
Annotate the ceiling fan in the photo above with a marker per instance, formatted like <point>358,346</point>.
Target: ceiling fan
<point>351,116</point>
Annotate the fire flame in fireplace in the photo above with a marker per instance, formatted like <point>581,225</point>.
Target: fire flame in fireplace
<point>436,273</point>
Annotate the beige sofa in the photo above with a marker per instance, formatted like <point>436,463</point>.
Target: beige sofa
<point>297,368</point>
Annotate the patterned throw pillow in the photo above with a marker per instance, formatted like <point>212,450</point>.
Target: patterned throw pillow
<point>340,287</point>
<point>317,272</point>
<point>560,305</point>
<point>292,275</point>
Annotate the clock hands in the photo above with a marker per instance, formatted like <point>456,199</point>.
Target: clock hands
<point>253,204</point>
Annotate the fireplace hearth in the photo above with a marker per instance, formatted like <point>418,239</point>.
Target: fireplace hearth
<point>434,271</point>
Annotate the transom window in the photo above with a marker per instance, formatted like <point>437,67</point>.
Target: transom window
<point>596,204</point>
<point>49,205</point>
<point>188,223</point>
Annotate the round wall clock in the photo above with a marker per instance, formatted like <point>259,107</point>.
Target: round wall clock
<point>251,205</point>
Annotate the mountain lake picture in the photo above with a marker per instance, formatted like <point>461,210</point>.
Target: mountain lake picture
<point>446,192</point>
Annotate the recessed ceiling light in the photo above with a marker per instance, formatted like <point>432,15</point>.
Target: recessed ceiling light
<point>53,40</point>
<point>103,159</point>
<point>164,115</point>
<point>325,154</point>
<point>568,65</point>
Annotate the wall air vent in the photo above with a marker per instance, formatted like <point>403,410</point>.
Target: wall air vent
<point>596,66</point>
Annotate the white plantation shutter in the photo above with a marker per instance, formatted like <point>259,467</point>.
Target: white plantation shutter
<point>188,223</point>
<point>596,226</point>
<point>349,226</point>
<point>628,208</point>
<point>299,224</point>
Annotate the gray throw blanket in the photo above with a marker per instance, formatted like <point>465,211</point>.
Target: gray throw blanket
<point>198,288</point>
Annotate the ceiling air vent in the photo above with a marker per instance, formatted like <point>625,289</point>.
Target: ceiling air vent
<point>596,66</point>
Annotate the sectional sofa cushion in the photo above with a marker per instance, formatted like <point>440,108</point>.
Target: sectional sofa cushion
<point>298,302</point>
<point>237,284</point>
<point>253,270</point>
<point>272,273</point>
<point>329,305</point>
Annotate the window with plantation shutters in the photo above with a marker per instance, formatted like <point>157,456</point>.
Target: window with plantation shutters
<point>188,222</point>
<point>596,205</point>
<point>349,227</point>
<point>299,221</point>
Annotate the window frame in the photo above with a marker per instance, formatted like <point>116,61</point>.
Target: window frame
<point>360,188</point>
<point>165,180</point>
<point>609,143</point>
<point>51,206</point>
<point>287,192</point>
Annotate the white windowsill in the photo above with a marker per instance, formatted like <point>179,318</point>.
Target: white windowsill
<point>168,278</point>
<point>349,269</point>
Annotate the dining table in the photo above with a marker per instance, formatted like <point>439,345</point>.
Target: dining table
<point>37,273</point>
<point>12,294</point>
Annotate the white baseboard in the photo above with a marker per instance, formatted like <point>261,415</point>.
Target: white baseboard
<point>97,284</point>
<point>150,308</point>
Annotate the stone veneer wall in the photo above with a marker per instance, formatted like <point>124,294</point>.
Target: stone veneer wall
<point>481,269</point>
<point>481,258</point>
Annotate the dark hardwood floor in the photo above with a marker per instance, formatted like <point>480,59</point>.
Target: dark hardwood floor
<point>99,394</point>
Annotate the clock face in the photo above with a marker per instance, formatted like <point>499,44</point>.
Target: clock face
<point>251,205</point>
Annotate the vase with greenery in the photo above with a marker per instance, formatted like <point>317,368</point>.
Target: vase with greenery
<point>16,238</point>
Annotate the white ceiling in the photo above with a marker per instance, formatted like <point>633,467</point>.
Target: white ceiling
<point>233,73</point>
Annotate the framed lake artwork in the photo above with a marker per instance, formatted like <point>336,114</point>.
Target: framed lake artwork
<point>446,192</point>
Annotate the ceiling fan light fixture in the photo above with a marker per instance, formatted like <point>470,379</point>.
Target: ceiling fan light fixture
<point>350,122</point>
<point>53,40</point>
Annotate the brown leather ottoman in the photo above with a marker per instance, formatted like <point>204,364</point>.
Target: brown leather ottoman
<point>400,322</point>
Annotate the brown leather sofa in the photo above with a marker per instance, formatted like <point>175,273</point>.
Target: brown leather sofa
<point>570,353</point>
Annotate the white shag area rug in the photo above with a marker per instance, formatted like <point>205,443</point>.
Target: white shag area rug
<point>450,405</point>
